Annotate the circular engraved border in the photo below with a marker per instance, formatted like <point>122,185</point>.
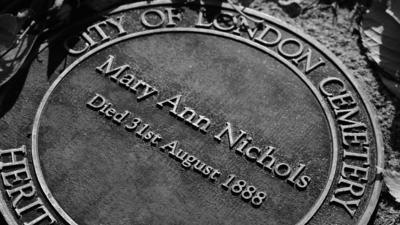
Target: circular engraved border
<point>329,117</point>
<point>374,197</point>
<point>365,99</point>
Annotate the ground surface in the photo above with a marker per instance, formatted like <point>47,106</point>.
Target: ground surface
<point>343,40</point>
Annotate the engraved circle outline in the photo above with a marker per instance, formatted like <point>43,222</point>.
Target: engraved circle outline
<point>365,100</point>
<point>329,117</point>
<point>374,196</point>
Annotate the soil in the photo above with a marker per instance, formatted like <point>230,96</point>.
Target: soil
<point>337,30</point>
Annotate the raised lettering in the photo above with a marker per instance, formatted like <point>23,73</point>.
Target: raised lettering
<point>308,57</point>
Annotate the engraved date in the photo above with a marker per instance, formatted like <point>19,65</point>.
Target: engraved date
<point>247,192</point>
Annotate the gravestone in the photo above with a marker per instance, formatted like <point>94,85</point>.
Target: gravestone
<point>171,113</point>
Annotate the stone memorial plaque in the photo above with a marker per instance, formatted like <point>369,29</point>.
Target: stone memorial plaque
<point>169,113</point>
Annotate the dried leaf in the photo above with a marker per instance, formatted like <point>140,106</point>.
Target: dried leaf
<point>8,31</point>
<point>380,34</point>
<point>394,10</point>
<point>13,60</point>
<point>392,181</point>
<point>393,86</point>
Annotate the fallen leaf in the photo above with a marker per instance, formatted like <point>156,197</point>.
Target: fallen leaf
<point>14,58</point>
<point>8,31</point>
<point>392,181</point>
<point>394,10</point>
<point>380,35</point>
